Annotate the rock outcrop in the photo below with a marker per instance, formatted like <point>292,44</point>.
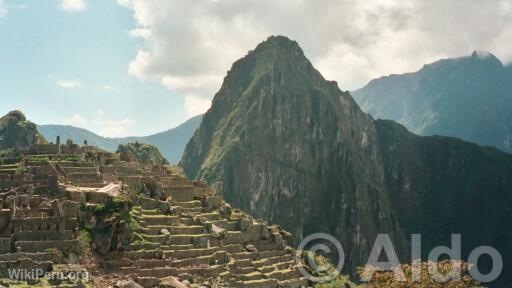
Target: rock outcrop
<point>18,133</point>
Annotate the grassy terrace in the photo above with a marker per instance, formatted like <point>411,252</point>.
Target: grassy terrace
<point>53,157</point>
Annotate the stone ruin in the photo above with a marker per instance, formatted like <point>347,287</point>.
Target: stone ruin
<point>174,229</point>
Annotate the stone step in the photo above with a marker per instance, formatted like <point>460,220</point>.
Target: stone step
<point>209,216</point>
<point>136,255</point>
<point>166,248</point>
<point>196,240</point>
<point>261,283</point>
<point>254,275</point>
<point>43,246</point>
<point>272,253</point>
<point>266,269</point>
<point>92,184</point>
<point>117,264</point>
<point>294,283</point>
<point>25,263</point>
<point>285,265</point>
<point>147,203</point>
<point>161,239</point>
<point>245,255</point>
<point>174,230</point>
<point>153,263</point>
<point>150,212</point>
<point>54,257</point>
<point>189,253</point>
<point>189,204</point>
<point>243,270</point>
<point>272,260</point>
<point>215,259</point>
<point>187,221</point>
<point>44,235</point>
<point>161,220</point>
<point>241,263</point>
<point>180,193</point>
<point>190,230</point>
<point>205,271</point>
<point>195,210</point>
<point>142,246</point>
<point>232,248</point>
<point>283,274</point>
<point>87,170</point>
<point>225,224</point>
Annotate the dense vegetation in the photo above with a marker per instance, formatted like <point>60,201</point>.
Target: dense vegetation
<point>16,132</point>
<point>141,152</point>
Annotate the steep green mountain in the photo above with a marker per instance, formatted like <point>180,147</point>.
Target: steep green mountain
<point>141,152</point>
<point>468,98</point>
<point>286,145</point>
<point>171,142</point>
<point>16,132</point>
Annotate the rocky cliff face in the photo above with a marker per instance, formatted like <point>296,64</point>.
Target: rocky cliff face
<point>441,186</point>
<point>468,97</point>
<point>286,145</point>
<point>17,133</point>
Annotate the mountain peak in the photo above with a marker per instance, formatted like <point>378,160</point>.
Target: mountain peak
<point>278,41</point>
<point>278,60</point>
<point>482,54</point>
<point>487,57</point>
<point>281,48</point>
<point>16,115</point>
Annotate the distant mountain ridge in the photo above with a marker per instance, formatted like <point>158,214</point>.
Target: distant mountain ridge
<point>171,142</point>
<point>468,97</point>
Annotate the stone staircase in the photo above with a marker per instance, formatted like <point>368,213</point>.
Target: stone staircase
<point>194,233</point>
<point>8,169</point>
<point>82,174</point>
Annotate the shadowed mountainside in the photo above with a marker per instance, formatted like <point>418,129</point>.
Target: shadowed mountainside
<point>468,97</point>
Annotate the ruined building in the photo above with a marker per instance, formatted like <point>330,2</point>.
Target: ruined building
<point>65,207</point>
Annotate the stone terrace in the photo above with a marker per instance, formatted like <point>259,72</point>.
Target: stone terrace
<point>194,233</point>
<point>36,232</point>
<point>178,228</point>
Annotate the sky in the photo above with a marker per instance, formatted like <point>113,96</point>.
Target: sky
<point>136,67</point>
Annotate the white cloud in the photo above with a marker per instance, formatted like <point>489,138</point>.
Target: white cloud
<point>112,127</point>
<point>103,124</point>
<point>140,33</point>
<point>107,87</point>
<point>73,83</point>
<point>77,120</point>
<point>73,5</point>
<point>3,9</point>
<point>195,105</point>
<point>348,40</point>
